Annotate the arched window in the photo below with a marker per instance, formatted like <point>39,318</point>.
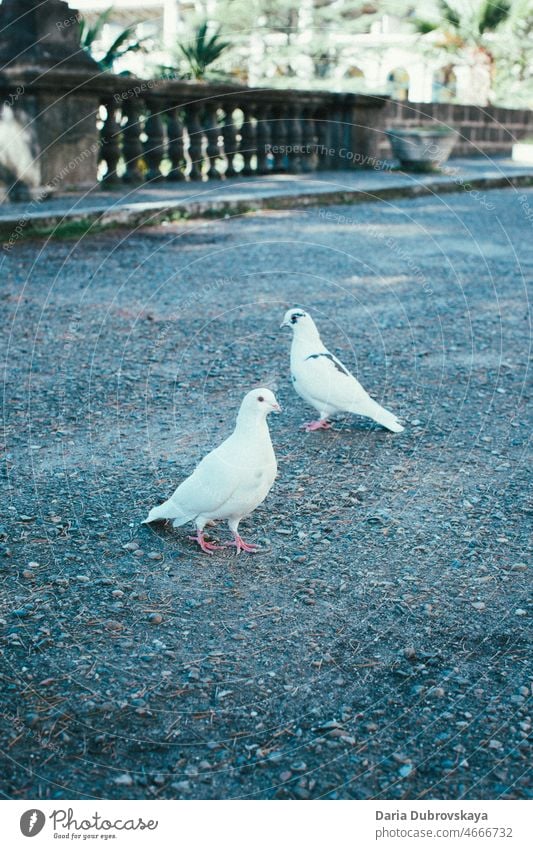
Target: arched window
<point>398,83</point>
<point>444,85</point>
<point>354,73</point>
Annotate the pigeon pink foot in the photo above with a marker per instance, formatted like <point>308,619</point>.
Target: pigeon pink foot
<point>321,424</point>
<point>208,547</point>
<point>241,545</point>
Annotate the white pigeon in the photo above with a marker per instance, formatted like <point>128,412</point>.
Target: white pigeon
<point>321,379</point>
<point>232,480</point>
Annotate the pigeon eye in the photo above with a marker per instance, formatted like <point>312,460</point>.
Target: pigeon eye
<point>294,319</point>
<point>260,398</point>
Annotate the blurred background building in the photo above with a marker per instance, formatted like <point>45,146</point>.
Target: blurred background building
<point>475,52</point>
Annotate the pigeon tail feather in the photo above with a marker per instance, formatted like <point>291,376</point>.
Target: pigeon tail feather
<point>380,415</point>
<point>168,510</point>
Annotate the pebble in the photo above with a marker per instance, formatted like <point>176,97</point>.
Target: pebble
<point>436,692</point>
<point>520,612</point>
<point>479,605</point>
<point>124,780</point>
<point>155,618</point>
<point>181,786</point>
<point>131,546</point>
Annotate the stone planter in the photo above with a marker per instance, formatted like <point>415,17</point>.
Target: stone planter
<point>422,148</point>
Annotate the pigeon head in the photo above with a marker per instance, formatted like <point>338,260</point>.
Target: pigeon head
<point>258,403</point>
<point>301,323</point>
<point>292,317</point>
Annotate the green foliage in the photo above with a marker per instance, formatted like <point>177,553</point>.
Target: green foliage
<point>450,15</point>
<point>513,55</point>
<point>124,43</point>
<point>468,21</point>
<point>203,51</point>
<point>498,32</point>
<point>492,14</point>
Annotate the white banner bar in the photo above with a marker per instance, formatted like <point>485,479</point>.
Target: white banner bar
<point>267,824</point>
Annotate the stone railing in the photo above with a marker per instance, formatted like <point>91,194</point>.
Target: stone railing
<point>169,130</point>
<point>60,131</point>
<point>125,130</point>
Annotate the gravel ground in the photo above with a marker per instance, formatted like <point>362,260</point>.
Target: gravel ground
<point>377,646</point>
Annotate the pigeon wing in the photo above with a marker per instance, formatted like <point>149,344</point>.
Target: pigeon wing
<point>212,483</point>
<point>326,380</point>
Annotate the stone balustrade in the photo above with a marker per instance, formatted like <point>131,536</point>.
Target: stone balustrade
<point>172,130</point>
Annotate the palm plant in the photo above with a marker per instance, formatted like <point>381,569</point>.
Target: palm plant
<point>203,51</point>
<point>125,41</point>
<point>465,22</point>
<point>467,28</point>
<point>513,83</point>
<point>464,25</point>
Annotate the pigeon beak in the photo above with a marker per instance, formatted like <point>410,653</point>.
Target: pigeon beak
<point>284,324</point>
<point>276,408</point>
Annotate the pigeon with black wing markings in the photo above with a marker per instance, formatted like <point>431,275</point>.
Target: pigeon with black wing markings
<point>324,382</point>
<point>230,481</point>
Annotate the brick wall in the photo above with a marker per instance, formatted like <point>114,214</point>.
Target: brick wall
<point>490,130</point>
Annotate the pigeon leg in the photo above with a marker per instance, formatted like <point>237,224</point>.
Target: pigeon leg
<point>321,424</point>
<point>241,545</point>
<point>208,547</point>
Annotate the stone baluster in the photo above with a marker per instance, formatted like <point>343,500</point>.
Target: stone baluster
<point>294,139</point>
<point>336,130</point>
<point>231,143</point>
<point>279,139</point>
<point>263,137</point>
<point>154,146</point>
<point>196,145</point>
<point>212,132</point>
<point>176,149</point>
<point>322,140</point>
<point>248,140</point>
<point>309,145</point>
<point>132,147</point>
<point>110,142</point>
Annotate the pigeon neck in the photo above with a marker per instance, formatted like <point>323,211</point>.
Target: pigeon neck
<point>250,421</point>
<point>307,336</point>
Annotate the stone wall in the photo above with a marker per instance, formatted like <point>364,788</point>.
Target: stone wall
<point>489,130</point>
